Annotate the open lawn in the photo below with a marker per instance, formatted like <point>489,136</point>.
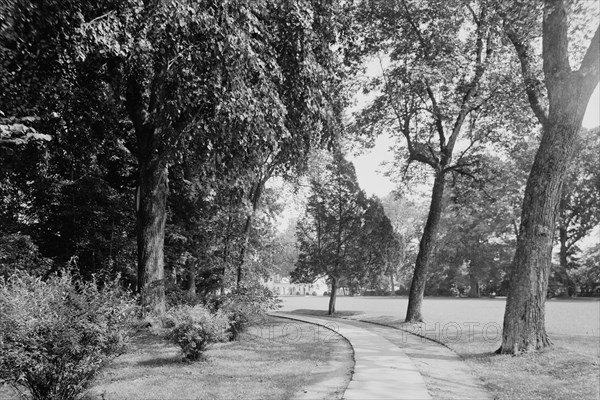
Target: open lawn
<point>271,361</point>
<point>472,328</point>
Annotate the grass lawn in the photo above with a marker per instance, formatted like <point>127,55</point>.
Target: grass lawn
<point>278,360</point>
<point>471,327</point>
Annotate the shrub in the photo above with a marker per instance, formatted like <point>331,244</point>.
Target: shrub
<point>195,328</point>
<point>247,305</point>
<point>55,335</point>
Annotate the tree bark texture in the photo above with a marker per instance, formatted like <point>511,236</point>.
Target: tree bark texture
<point>332,296</point>
<point>524,318</point>
<point>568,95</point>
<point>426,247</point>
<point>255,197</point>
<point>151,218</point>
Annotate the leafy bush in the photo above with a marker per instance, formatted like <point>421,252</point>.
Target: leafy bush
<point>195,328</point>
<point>247,305</point>
<point>55,335</point>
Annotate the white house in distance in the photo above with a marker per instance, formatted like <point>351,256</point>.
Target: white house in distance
<point>283,287</point>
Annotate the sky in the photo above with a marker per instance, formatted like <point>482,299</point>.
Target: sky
<point>369,170</point>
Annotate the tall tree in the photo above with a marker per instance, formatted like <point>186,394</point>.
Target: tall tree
<point>329,233</point>
<point>437,59</point>
<point>559,102</point>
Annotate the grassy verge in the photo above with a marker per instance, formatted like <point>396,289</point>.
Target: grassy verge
<point>277,360</point>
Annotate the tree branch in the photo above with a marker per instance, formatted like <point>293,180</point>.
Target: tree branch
<point>555,44</point>
<point>532,84</point>
<point>415,29</point>
<point>589,68</point>
<point>438,117</point>
<point>404,122</point>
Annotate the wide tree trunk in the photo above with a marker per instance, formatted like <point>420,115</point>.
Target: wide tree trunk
<point>426,246</point>
<point>332,296</point>
<point>568,95</point>
<point>524,318</point>
<point>151,217</point>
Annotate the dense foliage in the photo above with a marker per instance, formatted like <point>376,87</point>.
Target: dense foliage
<point>205,100</point>
<point>55,335</point>
<point>343,236</point>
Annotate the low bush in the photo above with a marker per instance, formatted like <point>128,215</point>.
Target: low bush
<point>55,335</point>
<point>194,329</point>
<point>247,305</point>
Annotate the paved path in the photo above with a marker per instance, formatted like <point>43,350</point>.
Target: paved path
<point>390,364</point>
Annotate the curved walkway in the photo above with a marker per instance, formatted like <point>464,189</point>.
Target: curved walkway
<point>386,361</point>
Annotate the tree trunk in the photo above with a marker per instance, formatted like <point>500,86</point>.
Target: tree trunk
<point>474,290</point>
<point>568,95</point>
<point>332,296</point>
<point>191,280</point>
<point>255,199</point>
<point>226,244</point>
<point>244,246</point>
<point>524,318</point>
<point>392,284</point>
<point>151,217</point>
<point>426,246</point>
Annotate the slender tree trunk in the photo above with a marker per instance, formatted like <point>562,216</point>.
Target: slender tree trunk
<point>226,239</point>
<point>524,318</point>
<point>474,289</point>
<point>191,280</point>
<point>255,199</point>
<point>332,296</point>
<point>392,284</point>
<point>151,218</point>
<point>417,287</point>
<point>244,246</point>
